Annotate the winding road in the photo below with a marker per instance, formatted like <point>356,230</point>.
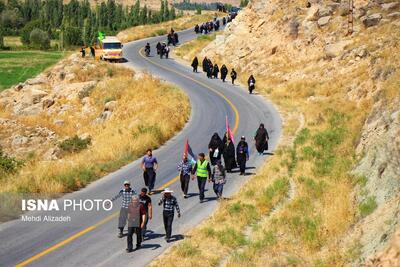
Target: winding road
<point>90,239</point>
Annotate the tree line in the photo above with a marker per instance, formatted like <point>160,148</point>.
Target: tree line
<point>75,23</point>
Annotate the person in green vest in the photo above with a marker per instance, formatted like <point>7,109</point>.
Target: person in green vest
<point>202,170</point>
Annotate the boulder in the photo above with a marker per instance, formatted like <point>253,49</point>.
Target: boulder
<point>390,6</point>
<point>110,106</point>
<point>324,11</point>
<point>394,15</point>
<point>53,153</point>
<point>48,102</point>
<point>105,115</point>
<point>219,40</point>
<point>312,13</point>
<point>38,80</point>
<point>371,20</point>
<point>294,28</point>
<point>58,122</point>
<point>73,90</point>
<point>336,49</point>
<point>85,136</point>
<point>324,21</point>
<point>64,108</point>
<point>344,8</point>
<point>19,87</point>
<point>19,140</point>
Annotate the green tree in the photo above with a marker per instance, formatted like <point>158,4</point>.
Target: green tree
<point>27,29</point>
<point>166,11</point>
<point>39,39</point>
<point>1,38</point>
<point>161,15</point>
<point>172,14</point>
<point>198,11</point>
<point>86,32</point>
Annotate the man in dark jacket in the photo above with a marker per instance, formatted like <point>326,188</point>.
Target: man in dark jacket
<point>224,72</point>
<point>195,64</point>
<point>242,154</point>
<point>196,29</point>
<point>136,219</point>
<point>261,139</point>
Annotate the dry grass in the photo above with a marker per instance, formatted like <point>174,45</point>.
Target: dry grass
<point>185,22</point>
<point>308,230</point>
<point>148,113</point>
<point>191,49</point>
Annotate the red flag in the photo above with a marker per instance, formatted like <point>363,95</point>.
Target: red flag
<point>228,130</point>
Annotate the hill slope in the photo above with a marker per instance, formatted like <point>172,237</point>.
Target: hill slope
<point>343,165</point>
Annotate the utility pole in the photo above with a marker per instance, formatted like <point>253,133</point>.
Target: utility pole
<point>350,18</point>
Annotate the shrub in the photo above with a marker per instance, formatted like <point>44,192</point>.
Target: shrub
<point>27,29</point>
<point>8,164</point>
<point>232,238</point>
<point>39,39</point>
<point>160,32</point>
<point>74,144</point>
<point>185,249</point>
<point>368,206</point>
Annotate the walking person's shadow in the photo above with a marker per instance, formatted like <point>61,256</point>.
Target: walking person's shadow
<point>151,235</point>
<point>175,238</point>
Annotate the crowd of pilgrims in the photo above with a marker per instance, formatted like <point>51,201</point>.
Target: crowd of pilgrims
<point>213,71</point>
<point>236,158</point>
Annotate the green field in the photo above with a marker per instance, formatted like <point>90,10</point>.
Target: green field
<point>18,66</point>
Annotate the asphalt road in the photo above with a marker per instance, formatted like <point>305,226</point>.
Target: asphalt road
<point>90,238</point>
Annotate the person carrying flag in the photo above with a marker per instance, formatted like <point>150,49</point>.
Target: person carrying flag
<point>228,151</point>
<point>202,169</point>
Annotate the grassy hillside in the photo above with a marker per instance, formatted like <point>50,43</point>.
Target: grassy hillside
<point>309,206</point>
<point>16,67</point>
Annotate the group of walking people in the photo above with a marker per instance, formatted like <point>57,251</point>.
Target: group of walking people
<point>172,37</point>
<point>214,72</point>
<point>162,50</point>
<point>213,25</point>
<point>137,209</point>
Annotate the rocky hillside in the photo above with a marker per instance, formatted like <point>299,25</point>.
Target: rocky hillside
<point>79,120</point>
<point>306,57</point>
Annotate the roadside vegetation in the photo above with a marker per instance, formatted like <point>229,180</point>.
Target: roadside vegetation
<point>193,48</point>
<point>314,163</point>
<point>147,114</point>
<point>31,21</point>
<point>18,66</point>
<point>182,23</point>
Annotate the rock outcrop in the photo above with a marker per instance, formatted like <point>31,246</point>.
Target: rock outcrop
<point>50,99</point>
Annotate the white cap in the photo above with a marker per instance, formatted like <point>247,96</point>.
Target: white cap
<point>127,182</point>
<point>167,190</point>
